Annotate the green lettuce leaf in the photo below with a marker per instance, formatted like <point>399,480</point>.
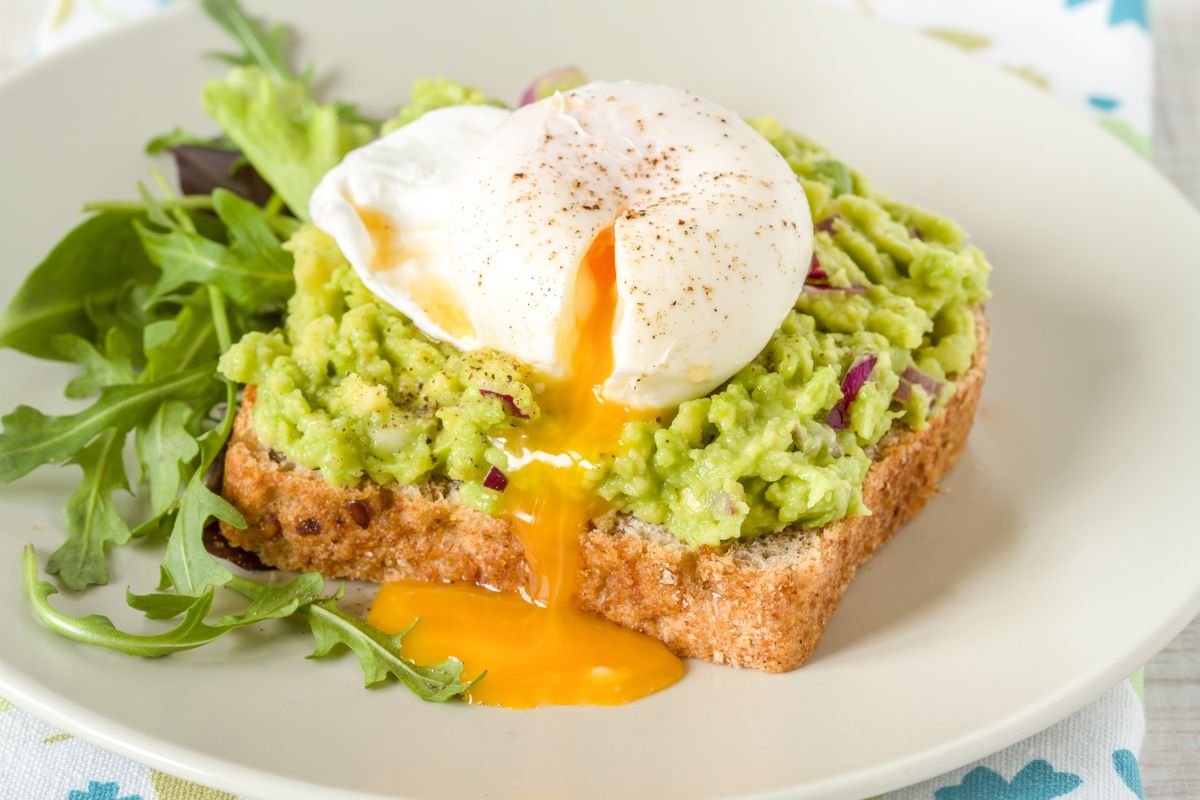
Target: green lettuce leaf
<point>285,135</point>
<point>91,267</point>
<point>277,602</point>
<point>159,605</point>
<point>92,520</point>
<point>98,630</point>
<point>171,345</point>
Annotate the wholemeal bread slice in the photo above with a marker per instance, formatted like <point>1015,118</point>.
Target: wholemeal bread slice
<point>762,603</point>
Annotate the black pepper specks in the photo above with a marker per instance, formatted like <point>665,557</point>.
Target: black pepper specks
<point>702,207</point>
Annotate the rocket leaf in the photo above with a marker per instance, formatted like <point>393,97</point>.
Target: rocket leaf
<point>261,46</point>
<point>30,438</point>
<point>109,368</point>
<point>251,270</point>
<point>188,565</point>
<point>165,447</point>
<point>379,653</point>
<point>92,520</point>
<point>271,602</point>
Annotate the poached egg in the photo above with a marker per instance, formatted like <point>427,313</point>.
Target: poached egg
<point>636,245</point>
<point>474,222</point>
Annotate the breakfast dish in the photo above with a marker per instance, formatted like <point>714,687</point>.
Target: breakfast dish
<point>1054,561</point>
<point>613,356</point>
<point>694,555</point>
<point>647,394</point>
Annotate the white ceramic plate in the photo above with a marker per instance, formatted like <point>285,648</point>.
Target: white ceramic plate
<point>1063,554</point>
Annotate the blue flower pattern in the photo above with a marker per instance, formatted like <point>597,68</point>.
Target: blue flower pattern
<point>1036,781</point>
<point>101,791</point>
<point>1122,11</point>
<point>1126,765</point>
<point>1103,103</point>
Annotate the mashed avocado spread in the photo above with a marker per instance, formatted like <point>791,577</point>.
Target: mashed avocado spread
<point>350,387</point>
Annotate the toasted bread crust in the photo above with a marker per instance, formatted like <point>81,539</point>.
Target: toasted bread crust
<point>766,602</point>
<point>297,521</point>
<point>762,603</point>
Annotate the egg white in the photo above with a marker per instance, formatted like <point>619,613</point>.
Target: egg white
<point>712,231</point>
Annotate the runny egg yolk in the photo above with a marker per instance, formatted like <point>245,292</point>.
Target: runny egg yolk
<point>540,649</point>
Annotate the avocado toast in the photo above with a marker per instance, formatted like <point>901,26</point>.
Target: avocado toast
<point>763,603</point>
<point>732,523</point>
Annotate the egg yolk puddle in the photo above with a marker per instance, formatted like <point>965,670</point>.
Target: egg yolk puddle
<point>435,297</point>
<point>539,649</point>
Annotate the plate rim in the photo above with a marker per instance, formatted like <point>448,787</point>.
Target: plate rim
<point>913,767</point>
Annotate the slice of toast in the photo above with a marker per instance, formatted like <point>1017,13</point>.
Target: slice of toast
<point>762,603</point>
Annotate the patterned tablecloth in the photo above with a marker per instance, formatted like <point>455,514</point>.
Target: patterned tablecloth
<point>1096,55</point>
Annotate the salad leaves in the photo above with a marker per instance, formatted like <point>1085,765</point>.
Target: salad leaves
<point>92,518</point>
<point>251,270</point>
<point>262,46</point>
<point>203,169</point>
<point>144,296</point>
<point>31,439</point>
<point>90,267</point>
<point>379,653</point>
<point>113,366</point>
<point>270,602</point>
<point>187,565</point>
<point>290,139</point>
<point>165,448</point>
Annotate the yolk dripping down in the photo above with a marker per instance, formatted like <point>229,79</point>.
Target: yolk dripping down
<point>545,652</point>
<point>434,296</point>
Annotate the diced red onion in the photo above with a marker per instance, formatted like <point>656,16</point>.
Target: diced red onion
<point>826,225</point>
<point>911,376</point>
<point>815,272</point>
<point>556,80</point>
<point>510,405</point>
<point>822,287</point>
<point>496,480</point>
<point>930,384</point>
<point>856,377</point>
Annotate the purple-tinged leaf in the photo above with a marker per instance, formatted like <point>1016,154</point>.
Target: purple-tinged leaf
<point>203,169</point>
